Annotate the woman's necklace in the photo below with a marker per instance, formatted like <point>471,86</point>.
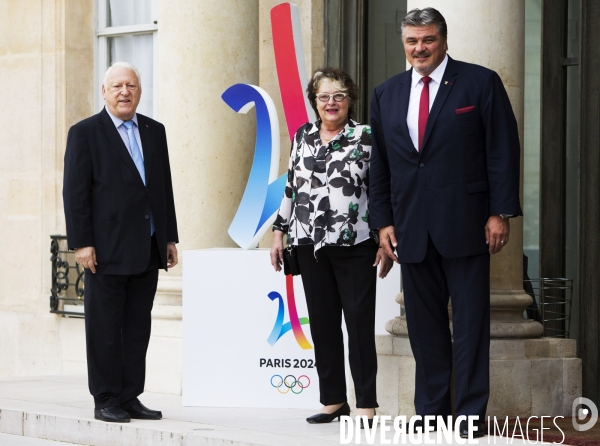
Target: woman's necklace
<point>326,140</point>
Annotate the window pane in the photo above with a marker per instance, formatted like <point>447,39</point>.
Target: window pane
<point>572,161</point>
<point>384,48</point>
<point>573,29</point>
<point>572,188</point>
<point>136,50</point>
<point>130,12</point>
<point>531,137</point>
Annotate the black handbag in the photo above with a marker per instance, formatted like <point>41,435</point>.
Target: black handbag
<point>290,261</point>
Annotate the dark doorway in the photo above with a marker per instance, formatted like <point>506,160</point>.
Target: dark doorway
<point>570,168</point>
<point>363,38</point>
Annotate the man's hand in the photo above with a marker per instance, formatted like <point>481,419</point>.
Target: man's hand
<point>496,233</point>
<point>384,261</point>
<point>277,250</point>
<point>387,241</point>
<point>86,257</point>
<point>171,255</point>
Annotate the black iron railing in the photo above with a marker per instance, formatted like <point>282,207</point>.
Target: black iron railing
<point>66,296</point>
<point>554,298</point>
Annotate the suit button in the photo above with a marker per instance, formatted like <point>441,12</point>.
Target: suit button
<point>146,217</point>
<point>421,165</point>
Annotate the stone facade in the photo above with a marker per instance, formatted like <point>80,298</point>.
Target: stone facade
<point>47,65</point>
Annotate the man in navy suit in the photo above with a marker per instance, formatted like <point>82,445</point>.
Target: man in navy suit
<point>445,171</point>
<point>120,218</point>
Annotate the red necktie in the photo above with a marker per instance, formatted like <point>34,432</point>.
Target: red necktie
<point>423,110</point>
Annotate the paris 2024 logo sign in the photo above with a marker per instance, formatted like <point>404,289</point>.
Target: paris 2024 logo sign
<point>264,189</point>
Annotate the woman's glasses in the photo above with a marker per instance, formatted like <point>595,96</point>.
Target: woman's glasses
<point>337,97</point>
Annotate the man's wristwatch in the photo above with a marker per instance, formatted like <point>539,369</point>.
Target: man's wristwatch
<point>505,216</point>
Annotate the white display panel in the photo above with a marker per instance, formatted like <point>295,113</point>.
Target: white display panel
<point>231,302</point>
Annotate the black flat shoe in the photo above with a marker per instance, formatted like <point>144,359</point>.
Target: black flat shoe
<point>369,421</point>
<point>477,433</point>
<point>112,415</point>
<point>141,412</point>
<point>329,417</point>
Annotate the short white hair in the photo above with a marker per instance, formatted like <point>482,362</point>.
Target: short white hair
<point>123,65</point>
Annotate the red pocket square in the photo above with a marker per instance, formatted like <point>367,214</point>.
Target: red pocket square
<point>465,109</point>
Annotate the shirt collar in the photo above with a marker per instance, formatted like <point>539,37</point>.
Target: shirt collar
<point>118,121</point>
<point>317,125</point>
<point>436,75</point>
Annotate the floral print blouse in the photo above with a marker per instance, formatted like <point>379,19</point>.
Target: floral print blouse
<point>325,200</point>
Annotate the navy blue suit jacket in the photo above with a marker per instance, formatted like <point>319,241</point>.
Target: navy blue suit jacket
<point>468,169</point>
<point>106,203</point>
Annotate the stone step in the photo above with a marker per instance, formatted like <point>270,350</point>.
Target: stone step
<point>59,425</point>
<point>17,440</point>
<point>61,409</point>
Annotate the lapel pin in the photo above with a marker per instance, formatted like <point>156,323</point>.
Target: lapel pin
<point>146,125</point>
<point>446,83</point>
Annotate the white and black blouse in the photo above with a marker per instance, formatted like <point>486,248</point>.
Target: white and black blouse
<point>325,200</point>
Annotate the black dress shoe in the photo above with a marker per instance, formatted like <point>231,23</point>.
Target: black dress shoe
<point>329,417</point>
<point>478,432</point>
<point>112,415</point>
<point>369,421</point>
<point>141,412</point>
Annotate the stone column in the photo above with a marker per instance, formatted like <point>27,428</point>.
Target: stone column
<point>491,34</point>
<point>203,47</point>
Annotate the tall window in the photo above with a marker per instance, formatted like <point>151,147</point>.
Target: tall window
<point>126,32</point>
<point>531,137</point>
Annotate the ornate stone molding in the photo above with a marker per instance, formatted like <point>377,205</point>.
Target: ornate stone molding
<point>506,313</point>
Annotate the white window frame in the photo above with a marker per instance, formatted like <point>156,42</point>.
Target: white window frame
<point>104,32</point>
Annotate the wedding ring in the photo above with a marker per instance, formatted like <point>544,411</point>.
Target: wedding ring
<point>501,241</point>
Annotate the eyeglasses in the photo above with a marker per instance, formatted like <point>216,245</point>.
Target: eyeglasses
<point>119,87</point>
<point>337,97</point>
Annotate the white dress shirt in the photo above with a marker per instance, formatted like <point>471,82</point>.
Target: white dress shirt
<point>123,131</point>
<point>412,117</point>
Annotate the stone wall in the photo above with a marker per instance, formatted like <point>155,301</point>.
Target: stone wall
<point>46,67</point>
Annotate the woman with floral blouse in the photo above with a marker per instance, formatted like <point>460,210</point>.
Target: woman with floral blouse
<point>325,215</point>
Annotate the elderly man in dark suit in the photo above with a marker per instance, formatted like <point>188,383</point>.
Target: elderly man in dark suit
<point>444,181</point>
<point>120,218</point>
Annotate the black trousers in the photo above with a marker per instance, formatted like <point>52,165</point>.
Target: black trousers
<point>343,280</point>
<point>427,287</point>
<point>117,332</point>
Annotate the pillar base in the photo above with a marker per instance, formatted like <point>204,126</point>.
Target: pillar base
<point>523,329</point>
<point>527,377</point>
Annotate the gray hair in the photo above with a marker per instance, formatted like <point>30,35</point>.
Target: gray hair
<point>425,17</point>
<point>123,65</point>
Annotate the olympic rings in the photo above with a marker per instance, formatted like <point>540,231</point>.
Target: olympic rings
<point>290,383</point>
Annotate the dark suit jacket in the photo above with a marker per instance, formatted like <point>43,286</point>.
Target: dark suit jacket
<point>106,203</point>
<point>468,169</point>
